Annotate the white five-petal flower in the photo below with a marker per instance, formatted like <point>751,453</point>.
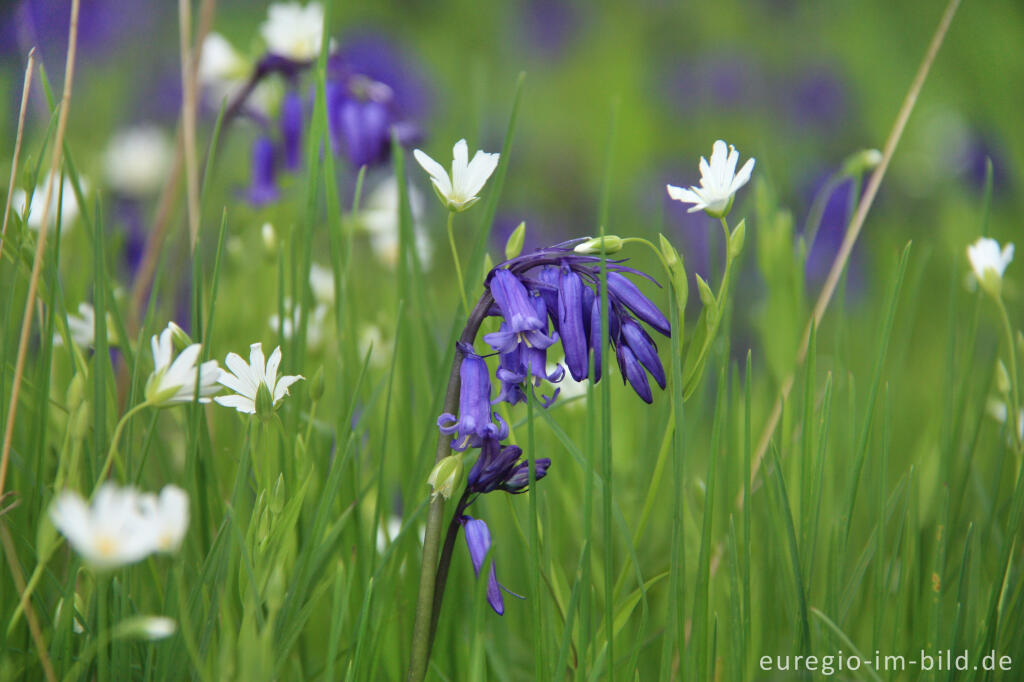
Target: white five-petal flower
<point>989,263</point>
<point>245,379</point>
<point>294,31</point>
<point>378,215</point>
<point>459,191</point>
<point>120,526</point>
<point>719,182</point>
<point>175,382</point>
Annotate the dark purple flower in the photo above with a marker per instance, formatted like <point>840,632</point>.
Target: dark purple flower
<point>263,184</point>
<point>473,425</point>
<point>498,468</point>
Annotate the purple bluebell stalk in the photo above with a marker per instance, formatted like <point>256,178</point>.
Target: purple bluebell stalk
<point>292,124</point>
<point>263,185</point>
<point>478,539</point>
<point>473,425</point>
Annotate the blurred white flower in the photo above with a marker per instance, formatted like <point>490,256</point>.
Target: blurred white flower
<point>719,182</point>
<point>315,324</point>
<point>459,191</point>
<point>997,410</point>
<point>387,532</point>
<point>989,263</point>
<point>294,31</point>
<point>321,281</point>
<point>32,213</point>
<point>137,160</point>
<point>371,337</point>
<point>245,379</point>
<point>220,61</point>
<point>223,72</point>
<point>379,217</point>
<point>166,517</point>
<point>110,532</point>
<point>82,328</point>
<point>175,382</point>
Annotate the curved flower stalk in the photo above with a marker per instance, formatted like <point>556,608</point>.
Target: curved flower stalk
<point>542,298</point>
<point>371,94</point>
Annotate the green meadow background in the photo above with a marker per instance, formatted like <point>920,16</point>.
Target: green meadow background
<point>885,516</point>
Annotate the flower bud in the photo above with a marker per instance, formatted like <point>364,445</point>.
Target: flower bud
<point>277,496</point>
<point>737,238</point>
<point>861,162</point>
<point>269,237</point>
<point>592,246</point>
<point>147,627</point>
<point>180,339</point>
<point>514,245</point>
<point>76,392</point>
<point>446,476</point>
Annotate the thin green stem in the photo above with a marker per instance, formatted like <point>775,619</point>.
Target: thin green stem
<point>423,635</point>
<point>1013,413</point>
<point>455,259</point>
<point>112,451</point>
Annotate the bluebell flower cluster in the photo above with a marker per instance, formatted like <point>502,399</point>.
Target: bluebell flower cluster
<point>549,296</point>
<point>365,106</point>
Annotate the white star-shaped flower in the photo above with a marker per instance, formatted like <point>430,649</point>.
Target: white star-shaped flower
<point>294,31</point>
<point>175,382</point>
<point>989,263</point>
<point>245,379</point>
<point>110,532</point>
<point>719,182</point>
<point>459,191</point>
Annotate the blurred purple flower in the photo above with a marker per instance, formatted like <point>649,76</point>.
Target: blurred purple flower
<point>971,161</point>
<point>263,184</point>
<point>726,80</point>
<point>103,26</point>
<point>816,97</point>
<point>549,26</point>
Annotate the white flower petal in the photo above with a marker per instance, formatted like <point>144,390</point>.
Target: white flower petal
<point>281,390</point>
<point>436,172</point>
<point>239,402</point>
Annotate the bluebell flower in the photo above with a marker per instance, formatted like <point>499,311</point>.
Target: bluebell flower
<point>263,184</point>
<point>524,323</point>
<point>473,425</point>
<point>478,539</point>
